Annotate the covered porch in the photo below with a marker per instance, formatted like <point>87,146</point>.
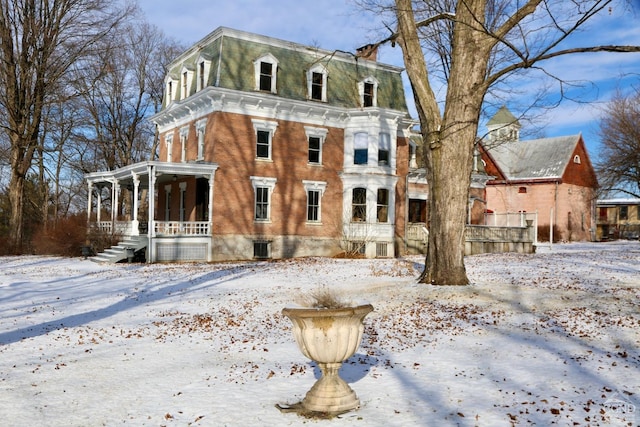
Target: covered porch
<point>125,202</point>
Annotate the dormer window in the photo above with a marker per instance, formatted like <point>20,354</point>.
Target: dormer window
<point>171,89</point>
<point>185,82</point>
<point>368,89</point>
<point>317,83</point>
<point>185,85</point>
<point>203,69</point>
<point>266,68</point>
<point>200,75</point>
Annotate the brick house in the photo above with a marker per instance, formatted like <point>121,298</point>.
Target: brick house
<point>552,177</point>
<point>270,149</point>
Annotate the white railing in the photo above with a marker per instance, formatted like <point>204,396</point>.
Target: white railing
<point>417,231</point>
<point>119,227</point>
<point>509,219</point>
<point>184,228</point>
<point>486,233</point>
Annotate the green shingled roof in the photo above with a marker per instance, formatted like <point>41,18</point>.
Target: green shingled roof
<point>232,54</point>
<point>503,117</point>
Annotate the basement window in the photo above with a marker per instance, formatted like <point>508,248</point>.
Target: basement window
<point>261,249</point>
<point>382,250</point>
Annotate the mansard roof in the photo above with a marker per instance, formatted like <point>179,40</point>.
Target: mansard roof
<point>233,52</point>
<point>545,158</point>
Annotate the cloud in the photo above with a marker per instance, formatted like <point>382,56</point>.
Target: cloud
<point>337,24</point>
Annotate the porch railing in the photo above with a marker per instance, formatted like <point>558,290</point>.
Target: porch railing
<point>486,233</point>
<point>509,219</point>
<point>184,228</point>
<point>162,228</point>
<point>119,227</point>
<point>417,231</point>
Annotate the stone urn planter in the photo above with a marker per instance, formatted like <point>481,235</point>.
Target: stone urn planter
<point>328,336</point>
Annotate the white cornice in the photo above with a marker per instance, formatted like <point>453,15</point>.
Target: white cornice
<point>267,106</point>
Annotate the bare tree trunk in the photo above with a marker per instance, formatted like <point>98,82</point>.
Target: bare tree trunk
<point>478,45</point>
<point>16,199</point>
<point>449,138</point>
<point>40,42</point>
<point>21,158</point>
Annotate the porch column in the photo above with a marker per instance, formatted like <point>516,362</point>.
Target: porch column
<point>209,254</point>
<point>134,222</point>
<point>115,199</point>
<point>99,206</point>
<point>151,226</point>
<point>89,202</point>
<point>210,204</point>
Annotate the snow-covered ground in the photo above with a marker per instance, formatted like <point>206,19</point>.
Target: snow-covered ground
<point>545,339</point>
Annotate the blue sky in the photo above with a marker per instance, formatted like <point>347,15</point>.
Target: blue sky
<point>338,24</point>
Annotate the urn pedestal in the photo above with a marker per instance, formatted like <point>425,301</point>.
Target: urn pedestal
<point>329,337</point>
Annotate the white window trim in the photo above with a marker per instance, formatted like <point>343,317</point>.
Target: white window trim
<point>373,81</point>
<point>373,129</point>
<point>185,93</point>
<point>266,126</point>
<point>388,205</point>
<point>171,90</point>
<point>318,68</point>
<point>389,145</point>
<point>316,133</point>
<point>207,70</point>
<point>317,186</point>
<point>168,140</point>
<point>576,159</point>
<point>369,150</point>
<point>268,58</point>
<point>201,126</point>
<point>184,135</point>
<point>413,156</point>
<point>367,205</point>
<point>262,182</point>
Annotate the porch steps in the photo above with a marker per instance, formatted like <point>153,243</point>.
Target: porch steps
<point>118,252</point>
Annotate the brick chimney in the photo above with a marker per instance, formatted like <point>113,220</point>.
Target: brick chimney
<point>369,52</point>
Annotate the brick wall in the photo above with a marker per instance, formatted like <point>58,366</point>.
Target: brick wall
<point>230,141</point>
<point>570,205</point>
